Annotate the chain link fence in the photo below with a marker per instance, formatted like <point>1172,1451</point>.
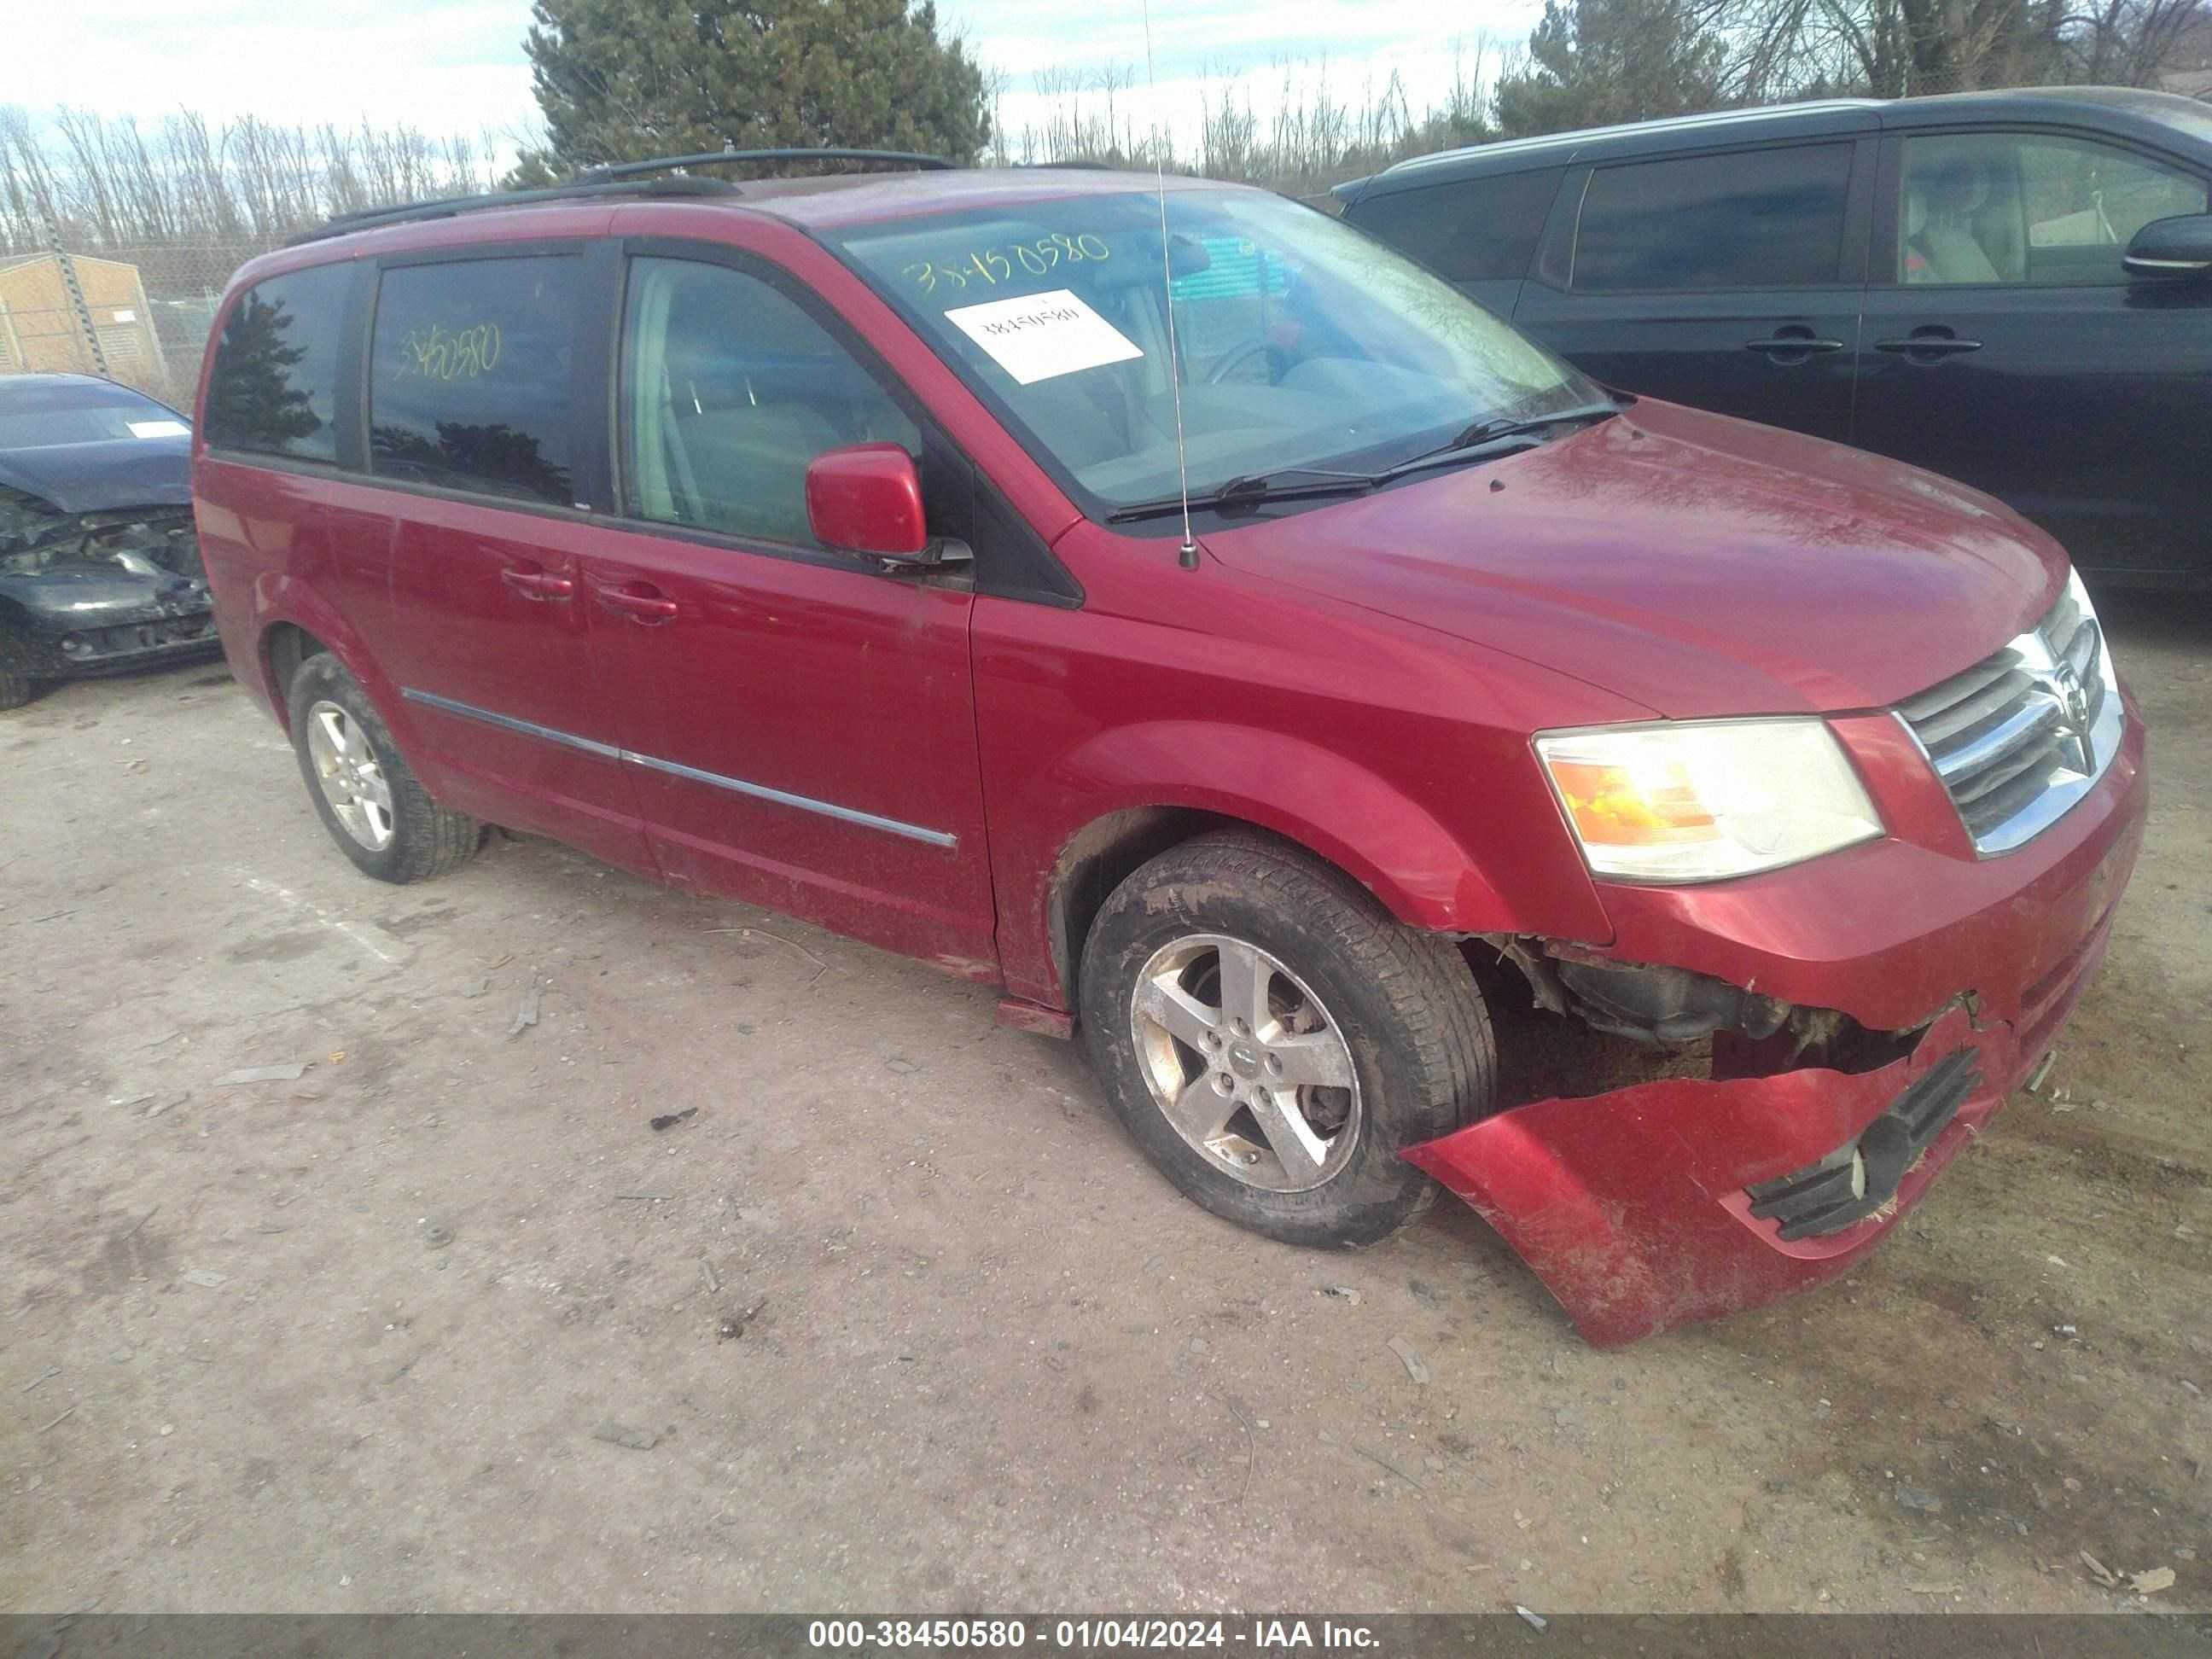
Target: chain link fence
<point>136,314</point>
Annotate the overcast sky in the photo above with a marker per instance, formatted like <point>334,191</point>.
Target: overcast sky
<point>456,65</point>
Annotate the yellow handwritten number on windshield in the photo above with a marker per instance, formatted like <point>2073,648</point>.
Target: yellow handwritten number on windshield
<point>990,267</point>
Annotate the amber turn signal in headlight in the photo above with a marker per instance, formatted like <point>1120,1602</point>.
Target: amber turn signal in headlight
<point>1701,800</point>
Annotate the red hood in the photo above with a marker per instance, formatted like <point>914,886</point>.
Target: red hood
<point>1697,564</point>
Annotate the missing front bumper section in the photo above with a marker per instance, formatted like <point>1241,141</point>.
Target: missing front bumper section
<point>1863,1175</point>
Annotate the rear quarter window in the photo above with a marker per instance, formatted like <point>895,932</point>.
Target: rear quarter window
<point>1477,230</point>
<point>473,376</point>
<point>274,387</point>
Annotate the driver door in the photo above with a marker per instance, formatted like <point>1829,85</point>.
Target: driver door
<point>2004,346</point>
<point>802,725</point>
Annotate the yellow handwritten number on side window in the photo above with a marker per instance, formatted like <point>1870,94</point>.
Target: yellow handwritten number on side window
<point>438,353</point>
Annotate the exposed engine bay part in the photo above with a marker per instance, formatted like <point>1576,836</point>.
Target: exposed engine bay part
<point>1659,1005</point>
<point>148,541</point>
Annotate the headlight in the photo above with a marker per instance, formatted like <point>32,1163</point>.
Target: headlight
<point>1701,800</point>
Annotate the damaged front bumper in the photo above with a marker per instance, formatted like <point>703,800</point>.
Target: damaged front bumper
<point>104,593</point>
<point>1686,1198</point>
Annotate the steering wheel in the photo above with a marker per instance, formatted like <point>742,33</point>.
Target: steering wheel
<point>1234,359</point>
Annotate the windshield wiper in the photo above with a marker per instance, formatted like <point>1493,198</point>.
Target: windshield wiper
<point>1253,488</point>
<point>1480,436</point>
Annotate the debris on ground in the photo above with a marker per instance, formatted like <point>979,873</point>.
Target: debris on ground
<point>1934,1590</point>
<point>1536,1620</point>
<point>1406,1357</point>
<point>2152,1582</point>
<point>287,1073</point>
<point>2098,1571</point>
<point>436,1234</point>
<point>1913,1498</point>
<point>669,1120</point>
<point>623,1434</point>
<point>50,1371</point>
<point>734,1326</point>
<point>902,1065</point>
<point>2034,1083</point>
<point>476,987</point>
<point>526,1015</point>
<point>206,1278</point>
<point>1423,1291</point>
<point>1342,1294</point>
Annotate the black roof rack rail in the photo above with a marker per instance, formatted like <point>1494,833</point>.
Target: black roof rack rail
<point>616,179</point>
<point>724,157</point>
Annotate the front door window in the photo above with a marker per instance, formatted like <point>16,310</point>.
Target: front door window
<point>729,389</point>
<point>2029,208</point>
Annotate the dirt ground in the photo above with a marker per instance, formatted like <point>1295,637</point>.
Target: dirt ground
<point>898,1319</point>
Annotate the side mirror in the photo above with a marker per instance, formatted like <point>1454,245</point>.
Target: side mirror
<point>866,500</point>
<point>2179,246</point>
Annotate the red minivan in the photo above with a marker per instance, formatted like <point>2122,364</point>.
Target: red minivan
<point>1176,609</point>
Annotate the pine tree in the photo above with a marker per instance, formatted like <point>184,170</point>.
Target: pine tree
<point>1594,63</point>
<point>620,80</point>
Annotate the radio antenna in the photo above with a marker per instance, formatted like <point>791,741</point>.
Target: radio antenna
<point>1186,555</point>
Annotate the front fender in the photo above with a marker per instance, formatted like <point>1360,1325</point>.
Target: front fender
<point>1329,803</point>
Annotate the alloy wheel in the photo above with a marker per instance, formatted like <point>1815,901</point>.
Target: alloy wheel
<point>1245,1062</point>
<point>351,778</point>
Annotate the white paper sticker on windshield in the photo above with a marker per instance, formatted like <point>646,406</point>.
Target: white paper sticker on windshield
<point>158,430</point>
<point>1043,335</point>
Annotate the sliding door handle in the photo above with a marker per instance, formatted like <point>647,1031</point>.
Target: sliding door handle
<point>1928,346</point>
<point>534,584</point>
<point>639,601</point>
<point>1799,345</point>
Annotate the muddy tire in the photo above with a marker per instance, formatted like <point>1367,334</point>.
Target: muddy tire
<point>1272,1039</point>
<point>16,657</point>
<point>371,802</point>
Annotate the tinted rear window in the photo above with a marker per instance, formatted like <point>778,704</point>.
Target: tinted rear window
<point>275,385</point>
<point>1764,218</point>
<point>1477,230</point>
<point>471,380</point>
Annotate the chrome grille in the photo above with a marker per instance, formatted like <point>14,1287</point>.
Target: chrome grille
<point>2025,732</point>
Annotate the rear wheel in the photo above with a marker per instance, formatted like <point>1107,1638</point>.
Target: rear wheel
<point>372,805</point>
<point>1272,1039</point>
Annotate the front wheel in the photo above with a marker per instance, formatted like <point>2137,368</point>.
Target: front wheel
<point>1272,1039</point>
<point>15,660</point>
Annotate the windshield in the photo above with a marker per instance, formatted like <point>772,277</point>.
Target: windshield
<point>1303,343</point>
<point>47,417</point>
